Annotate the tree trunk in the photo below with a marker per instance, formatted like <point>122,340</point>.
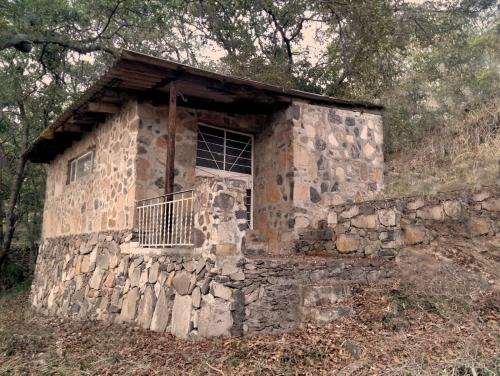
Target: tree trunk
<point>11,208</point>
<point>16,186</point>
<point>1,204</point>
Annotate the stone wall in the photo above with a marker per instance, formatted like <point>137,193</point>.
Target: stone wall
<point>309,158</point>
<point>273,180</point>
<point>338,159</point>
<point>99,276</point>
<point>306,158</point>
<point>152,144</point>
<point>381,227</point>
<point>105,198</point>
<point>219,216</point>
<point>194,293</point>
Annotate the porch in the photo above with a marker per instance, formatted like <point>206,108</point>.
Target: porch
<point>213,216</point>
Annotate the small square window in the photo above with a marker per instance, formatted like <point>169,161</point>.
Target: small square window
<point>81,166</point>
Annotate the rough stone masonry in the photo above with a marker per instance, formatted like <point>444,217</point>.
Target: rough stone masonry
<point>100,276</point>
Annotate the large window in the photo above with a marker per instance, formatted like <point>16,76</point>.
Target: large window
<point>230,153</point>
<point>81,166</point>
<point>224,150</point>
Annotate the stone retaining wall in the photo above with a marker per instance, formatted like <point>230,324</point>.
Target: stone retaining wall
<point>97,276</point>
<point>382,227</point>
<point>190,292</point>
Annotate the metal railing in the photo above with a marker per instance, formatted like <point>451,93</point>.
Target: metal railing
<point>166,221</point>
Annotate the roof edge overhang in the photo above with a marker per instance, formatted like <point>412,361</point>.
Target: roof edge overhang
<point>137,74</point>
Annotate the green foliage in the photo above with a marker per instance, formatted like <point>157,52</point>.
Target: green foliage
<point>14,277</point>
<point>457,76</point>
<point>427,62</point>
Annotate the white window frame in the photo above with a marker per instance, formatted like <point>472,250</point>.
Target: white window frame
<point>74,163</point>
<point>207,171</point>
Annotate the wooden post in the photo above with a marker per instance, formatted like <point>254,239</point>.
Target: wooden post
<point>170,162</point>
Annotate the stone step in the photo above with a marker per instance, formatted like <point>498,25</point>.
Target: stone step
<point>255,244</point>
<point>325,315</point>
<point>324,295</point>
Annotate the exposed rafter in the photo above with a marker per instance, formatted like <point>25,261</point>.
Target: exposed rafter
<point>142,77</point>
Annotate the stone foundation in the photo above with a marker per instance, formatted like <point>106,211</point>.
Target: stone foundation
<point>192,293</point>
<point>91,277</point>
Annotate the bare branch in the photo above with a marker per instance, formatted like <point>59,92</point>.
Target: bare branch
<point>13,40</point>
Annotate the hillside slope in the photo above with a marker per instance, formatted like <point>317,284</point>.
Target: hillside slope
<point>438,315</point>
<point>461,154</point>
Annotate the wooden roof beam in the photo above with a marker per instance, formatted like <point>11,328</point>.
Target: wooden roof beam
<point>101,107</point>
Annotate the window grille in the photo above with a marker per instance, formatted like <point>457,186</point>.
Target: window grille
<point>223,150</point>
<point>81,166</point>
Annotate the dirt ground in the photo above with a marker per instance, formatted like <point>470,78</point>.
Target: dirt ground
<point>439,316</point>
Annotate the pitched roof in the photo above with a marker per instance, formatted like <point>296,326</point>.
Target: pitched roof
<point>136,75</point>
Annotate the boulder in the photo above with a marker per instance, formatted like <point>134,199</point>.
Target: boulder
<point>346,243</point>
<point>414,205</point>
<point>135,276</point>
<point>453,209</point>
<point>252,296</point>
<point>93,258</point>
<point>146,308</point>
<point>481,196</point>
<point>161,315</point>
<point>215,318</point>
<point>95,280</point>
<point>229,266</point>
<point>434,212</point>
<point>129,305</point>
<point>349,213</point>
<point>353,348</point>
<point>387,217</point>
<point>190,266</point>
<point>93,239</point>
<point>221,291</point>
<point>181,316</point>
<point>413,234</point>
<point>85,249</point>
<point>196,297</point>
<point>110,280</point>
<point>144,278</point>
<point>200,265</point>
<point>85,265</point>
<point>371,249</point>
<point>332,218</point>
<point>365,221</point>
<point>478,226</point>
<point>153,272</point>
<point>102,260</point>
<point>492,205</point>
<point>170,278</point>
<point>114,261</point>
<point>162,278</point>
<point>238,276</point>
<point>181,282</point>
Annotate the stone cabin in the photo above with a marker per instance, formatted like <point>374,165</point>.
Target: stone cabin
<point>163,178</point>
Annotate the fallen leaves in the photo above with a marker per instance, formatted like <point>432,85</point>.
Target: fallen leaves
<point>357,345</point>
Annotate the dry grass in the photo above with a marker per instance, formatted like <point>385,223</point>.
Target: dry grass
<point>419,325</point>
<point>463,154</point>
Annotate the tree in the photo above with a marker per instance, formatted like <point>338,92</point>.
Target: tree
<point>391,51</point>
<point>41,43</point>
